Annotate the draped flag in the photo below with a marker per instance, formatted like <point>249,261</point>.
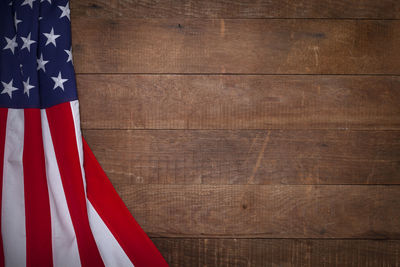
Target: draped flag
<point>58,208</point>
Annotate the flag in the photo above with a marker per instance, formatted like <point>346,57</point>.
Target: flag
<point>58,208</point>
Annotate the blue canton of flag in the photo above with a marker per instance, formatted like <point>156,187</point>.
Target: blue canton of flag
<point>36,61</point>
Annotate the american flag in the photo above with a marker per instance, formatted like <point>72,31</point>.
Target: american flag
<point>58,208</point>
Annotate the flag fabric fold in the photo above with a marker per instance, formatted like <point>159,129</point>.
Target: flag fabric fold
<point>58,207</point>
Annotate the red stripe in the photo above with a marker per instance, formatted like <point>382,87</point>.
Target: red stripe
<point>110,207</point>
<point>3,126</point>
<point>62,130</point>
<point>37,206</point>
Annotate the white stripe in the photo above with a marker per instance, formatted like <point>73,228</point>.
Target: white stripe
<point>109,248</point>
<point>13,204</point>
<point>78,134</point>
<point>65,247</point>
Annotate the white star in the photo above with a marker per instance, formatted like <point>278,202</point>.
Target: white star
<point>27,42</point>
<point>11,44</point>
<point>28,2</point>
<point>45,0</point>
<point>41,63</point>
<point>65,11</point>
<point>27,86</point>
<point>16,21</point>
<point>69,53</point>
<point>51,37</point>
<point>59,81</point>
<point>8,88</point>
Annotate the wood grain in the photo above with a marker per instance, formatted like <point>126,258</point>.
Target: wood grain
<point>382,9</point>
<point>255,46</point>
<point>248,133</point>
<point>248,157</point>
<point>265,211</point>
<point>278,252</point>
<point>239,102</point>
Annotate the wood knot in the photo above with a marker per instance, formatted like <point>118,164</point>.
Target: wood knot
<point>95,6</point>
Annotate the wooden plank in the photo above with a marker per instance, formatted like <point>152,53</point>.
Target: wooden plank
<point>248,157</point>
<point>261,46</point>
<point>382,9</point>
<point>278,252</point>
<point>265,211</point>
<point>239,102</point>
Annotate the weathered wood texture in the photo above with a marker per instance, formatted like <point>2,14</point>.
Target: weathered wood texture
<point>266,211</point>
<point>261,46</point>
<point>239,102</point>
<point>382,9</point>
<point>248,156</point>
<point>223,119</point>
<point>278,252</point>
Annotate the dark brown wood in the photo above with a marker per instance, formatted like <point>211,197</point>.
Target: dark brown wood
<point>225,163</point>
<point>261,46</point>
<point>278,252</point>
<point>239,102</point>
<point>265,211</point>
<point>248,157</point>
<point>382,9</point>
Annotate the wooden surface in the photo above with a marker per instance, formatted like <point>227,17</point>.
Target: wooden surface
<point>248,133</point>
<point>371,9</point>
<point>248,156</point>
<point>279,252</point>
<point>261,46</point>
<point>240,102</point>
<point>301,211</point>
